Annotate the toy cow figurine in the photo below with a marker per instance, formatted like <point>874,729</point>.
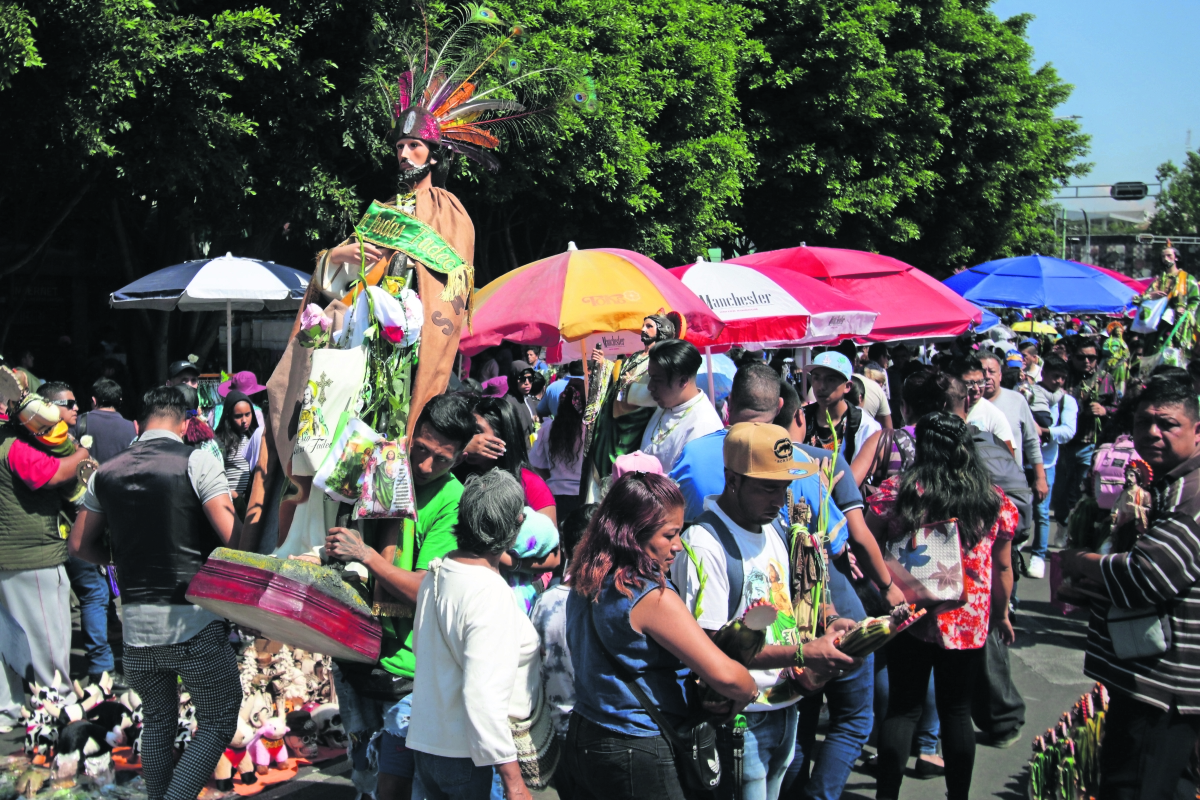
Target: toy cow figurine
<point>236,757</point>
<point>267,746</point>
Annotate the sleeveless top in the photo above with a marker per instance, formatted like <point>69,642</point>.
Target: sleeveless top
<point>600,696</point>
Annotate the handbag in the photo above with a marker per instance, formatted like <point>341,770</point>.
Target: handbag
<point>537,746</point>
<point>694,746</point>
<point>1138,632</point>
<point>927,566</point>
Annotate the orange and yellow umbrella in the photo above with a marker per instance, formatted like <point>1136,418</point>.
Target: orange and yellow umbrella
<point>577,294</point>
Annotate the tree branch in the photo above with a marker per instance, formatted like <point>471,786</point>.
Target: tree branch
<point>32,254</point>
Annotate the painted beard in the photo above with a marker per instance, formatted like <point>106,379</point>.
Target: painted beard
<point>413,175</point>
<point>648,340</point>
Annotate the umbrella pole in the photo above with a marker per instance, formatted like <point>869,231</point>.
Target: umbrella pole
<point>229,335</point>
<point>712,394</point>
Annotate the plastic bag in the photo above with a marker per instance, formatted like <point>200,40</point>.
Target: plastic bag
<point>341,473</point>
<point>1149,315</point>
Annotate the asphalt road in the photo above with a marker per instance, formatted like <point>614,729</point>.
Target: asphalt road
<point>1047,662</point>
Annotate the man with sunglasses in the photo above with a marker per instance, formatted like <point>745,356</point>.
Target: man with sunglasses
<point>88,581</point>
<point>1093,390</point>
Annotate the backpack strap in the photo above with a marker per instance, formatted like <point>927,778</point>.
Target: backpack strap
<point>853,423</point>
<point>81,425</point>
<point>734,570</point>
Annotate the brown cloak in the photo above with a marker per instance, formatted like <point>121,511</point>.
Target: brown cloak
<point>439,344</point>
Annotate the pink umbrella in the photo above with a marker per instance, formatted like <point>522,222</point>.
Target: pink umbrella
<point>771,306</point>
<point>911,304</point>
<point>1139,285</point>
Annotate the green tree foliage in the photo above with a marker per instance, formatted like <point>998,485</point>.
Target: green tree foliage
<point>17,47</point>
<point>918,129</point>
<point>1178,203</point>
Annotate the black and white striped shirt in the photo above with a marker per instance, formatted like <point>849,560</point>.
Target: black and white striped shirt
<point>1163,570</point>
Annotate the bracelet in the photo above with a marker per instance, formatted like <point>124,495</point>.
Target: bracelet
<point>832,618</point>
<point>799,657</point>
<point>890,585</point>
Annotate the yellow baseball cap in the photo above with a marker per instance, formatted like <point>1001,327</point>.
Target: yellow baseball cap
<point>758,450</point>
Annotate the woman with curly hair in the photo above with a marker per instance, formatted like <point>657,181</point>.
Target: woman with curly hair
<point>946,481</point>
<point>622,608</point>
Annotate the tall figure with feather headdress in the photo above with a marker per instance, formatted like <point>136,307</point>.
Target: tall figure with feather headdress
<point>1184,300</point>
<point>441,105</point>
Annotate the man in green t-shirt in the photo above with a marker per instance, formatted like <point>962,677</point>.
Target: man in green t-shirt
<point>371,700</point>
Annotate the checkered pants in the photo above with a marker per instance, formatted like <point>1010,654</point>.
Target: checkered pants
<point>209,671</point>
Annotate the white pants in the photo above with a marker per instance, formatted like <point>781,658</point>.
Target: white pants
<point>40,601</point>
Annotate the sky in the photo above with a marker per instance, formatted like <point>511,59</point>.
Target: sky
<point>1136,79</point>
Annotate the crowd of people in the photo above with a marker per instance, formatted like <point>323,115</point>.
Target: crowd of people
<point>581,541</point>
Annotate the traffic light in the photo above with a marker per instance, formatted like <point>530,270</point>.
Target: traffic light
<point>1128,190</point>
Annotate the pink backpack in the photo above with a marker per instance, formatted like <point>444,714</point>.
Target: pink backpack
<point>1108,470</point>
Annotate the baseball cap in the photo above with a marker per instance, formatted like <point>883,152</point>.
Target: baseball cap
<point>637,461</point>
<point>759,450</point>
<point>834,361</point>
<point>180,366</point>
<point>1031,341</point>
<point>1014,359</point>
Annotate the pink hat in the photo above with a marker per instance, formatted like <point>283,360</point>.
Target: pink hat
<point>637,461</point>
<point>244,382</point>
<point>495,387</point>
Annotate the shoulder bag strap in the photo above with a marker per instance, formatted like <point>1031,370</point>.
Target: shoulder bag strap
<point>733,557</point>
<point>82,425</point>
<point>630,679</point>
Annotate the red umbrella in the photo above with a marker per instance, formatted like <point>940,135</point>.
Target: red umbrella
<point>911,304</point>
<point>1139,285</point>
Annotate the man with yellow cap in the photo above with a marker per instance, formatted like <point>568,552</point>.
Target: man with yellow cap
<point>744,557</point>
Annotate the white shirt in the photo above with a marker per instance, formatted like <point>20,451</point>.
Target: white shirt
<point>875,403</point>
<point>985,416</point>
<point>671,428</point>
<point>564,477</point>
<point>477,664</point>
<point>765,576</point>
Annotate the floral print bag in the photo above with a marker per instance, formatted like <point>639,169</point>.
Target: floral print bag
<point>928,567</point>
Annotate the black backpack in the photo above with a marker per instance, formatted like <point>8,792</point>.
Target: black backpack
<point>1008,476</point>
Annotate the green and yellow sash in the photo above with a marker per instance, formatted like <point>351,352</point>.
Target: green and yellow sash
<point>388,226</point>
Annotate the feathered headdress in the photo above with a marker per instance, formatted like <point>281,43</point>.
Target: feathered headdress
<point>439,98</point>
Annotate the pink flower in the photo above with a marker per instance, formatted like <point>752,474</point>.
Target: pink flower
<point>312,316</point>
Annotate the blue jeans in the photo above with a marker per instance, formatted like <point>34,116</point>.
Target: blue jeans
<point>1041,521</point>
<point>928,725</point>
<point>769,744</point>
<point>850,718</point>
<point>91,587</point>
<point>1073,467</point>
<point>442,778</point>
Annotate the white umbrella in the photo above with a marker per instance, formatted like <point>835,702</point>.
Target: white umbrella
<point>227,282</point>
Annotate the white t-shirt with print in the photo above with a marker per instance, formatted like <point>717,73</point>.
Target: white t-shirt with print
<point>764,574</point>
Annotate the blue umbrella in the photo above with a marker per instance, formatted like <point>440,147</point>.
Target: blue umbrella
<point>227,283</point>
<point>1041,282</point>
<point>989,321</point>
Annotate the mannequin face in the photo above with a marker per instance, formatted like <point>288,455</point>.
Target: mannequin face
<point>412,153</point>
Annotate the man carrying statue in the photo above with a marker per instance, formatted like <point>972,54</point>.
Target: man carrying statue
<point>372,348</point>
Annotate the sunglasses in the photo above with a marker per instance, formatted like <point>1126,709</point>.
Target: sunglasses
<point>67,404</point>
<point>974,384</point>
